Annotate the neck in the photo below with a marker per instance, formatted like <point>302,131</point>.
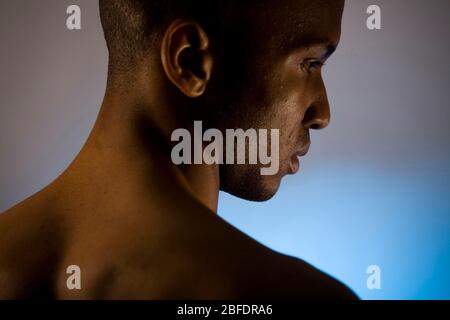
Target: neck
<point>128,154</point>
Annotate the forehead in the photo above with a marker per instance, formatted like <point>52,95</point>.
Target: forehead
<point>290,24</point>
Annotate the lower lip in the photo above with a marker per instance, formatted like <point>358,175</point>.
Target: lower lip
<point>295,165</point>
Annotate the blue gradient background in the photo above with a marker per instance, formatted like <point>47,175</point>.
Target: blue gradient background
<point>373,190</point>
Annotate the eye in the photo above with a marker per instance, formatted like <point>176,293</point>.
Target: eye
<point>311,65</point>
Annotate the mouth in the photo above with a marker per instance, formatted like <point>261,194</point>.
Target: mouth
<point>295,162</point>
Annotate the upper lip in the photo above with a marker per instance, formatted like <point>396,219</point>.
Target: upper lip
<point>304,150</point>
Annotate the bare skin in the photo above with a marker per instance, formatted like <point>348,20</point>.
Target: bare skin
<point>138,226</point>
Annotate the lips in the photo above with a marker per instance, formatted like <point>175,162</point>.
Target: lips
<point>295,162</point>
<point>303,151</point>
<point>294,165</point>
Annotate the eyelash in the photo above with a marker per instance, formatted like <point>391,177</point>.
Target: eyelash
<point>310,65</point>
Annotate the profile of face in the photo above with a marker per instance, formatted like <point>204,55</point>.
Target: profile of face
<point>272,80</point>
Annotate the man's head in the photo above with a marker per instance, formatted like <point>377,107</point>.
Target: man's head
<point>233,64</point>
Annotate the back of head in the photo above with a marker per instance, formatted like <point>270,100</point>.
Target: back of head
<point>132,27</point>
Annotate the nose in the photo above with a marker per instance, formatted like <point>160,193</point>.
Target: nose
<point>317,116</point>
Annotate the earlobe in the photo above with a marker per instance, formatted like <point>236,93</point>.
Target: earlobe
<point>186,58</point>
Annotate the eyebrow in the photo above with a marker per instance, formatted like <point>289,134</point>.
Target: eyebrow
<point>307,42</point>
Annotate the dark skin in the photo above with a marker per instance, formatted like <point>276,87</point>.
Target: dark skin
<point>142,228</point>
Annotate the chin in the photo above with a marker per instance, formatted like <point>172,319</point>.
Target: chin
<point>249,185</point>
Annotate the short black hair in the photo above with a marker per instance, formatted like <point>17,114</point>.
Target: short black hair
<point>131,27</point>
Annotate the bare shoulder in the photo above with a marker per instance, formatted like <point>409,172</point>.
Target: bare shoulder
<point>259,272</point>
<point>294,278</point>
<point>201,257</point>
<point>26,252</point>
<point>210,259</point>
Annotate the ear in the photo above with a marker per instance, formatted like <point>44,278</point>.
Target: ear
<point>186,57</point>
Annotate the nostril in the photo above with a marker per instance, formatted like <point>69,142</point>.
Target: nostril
<point>316,124</point>
<point>317,116</point>
<point>319,124</point>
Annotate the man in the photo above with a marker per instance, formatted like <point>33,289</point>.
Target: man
<point>139,226</point>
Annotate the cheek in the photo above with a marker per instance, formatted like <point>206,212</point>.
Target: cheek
<point>277,100</point>
<point>287,113</point>
<point>290,92</point>
<point>288,108</point>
